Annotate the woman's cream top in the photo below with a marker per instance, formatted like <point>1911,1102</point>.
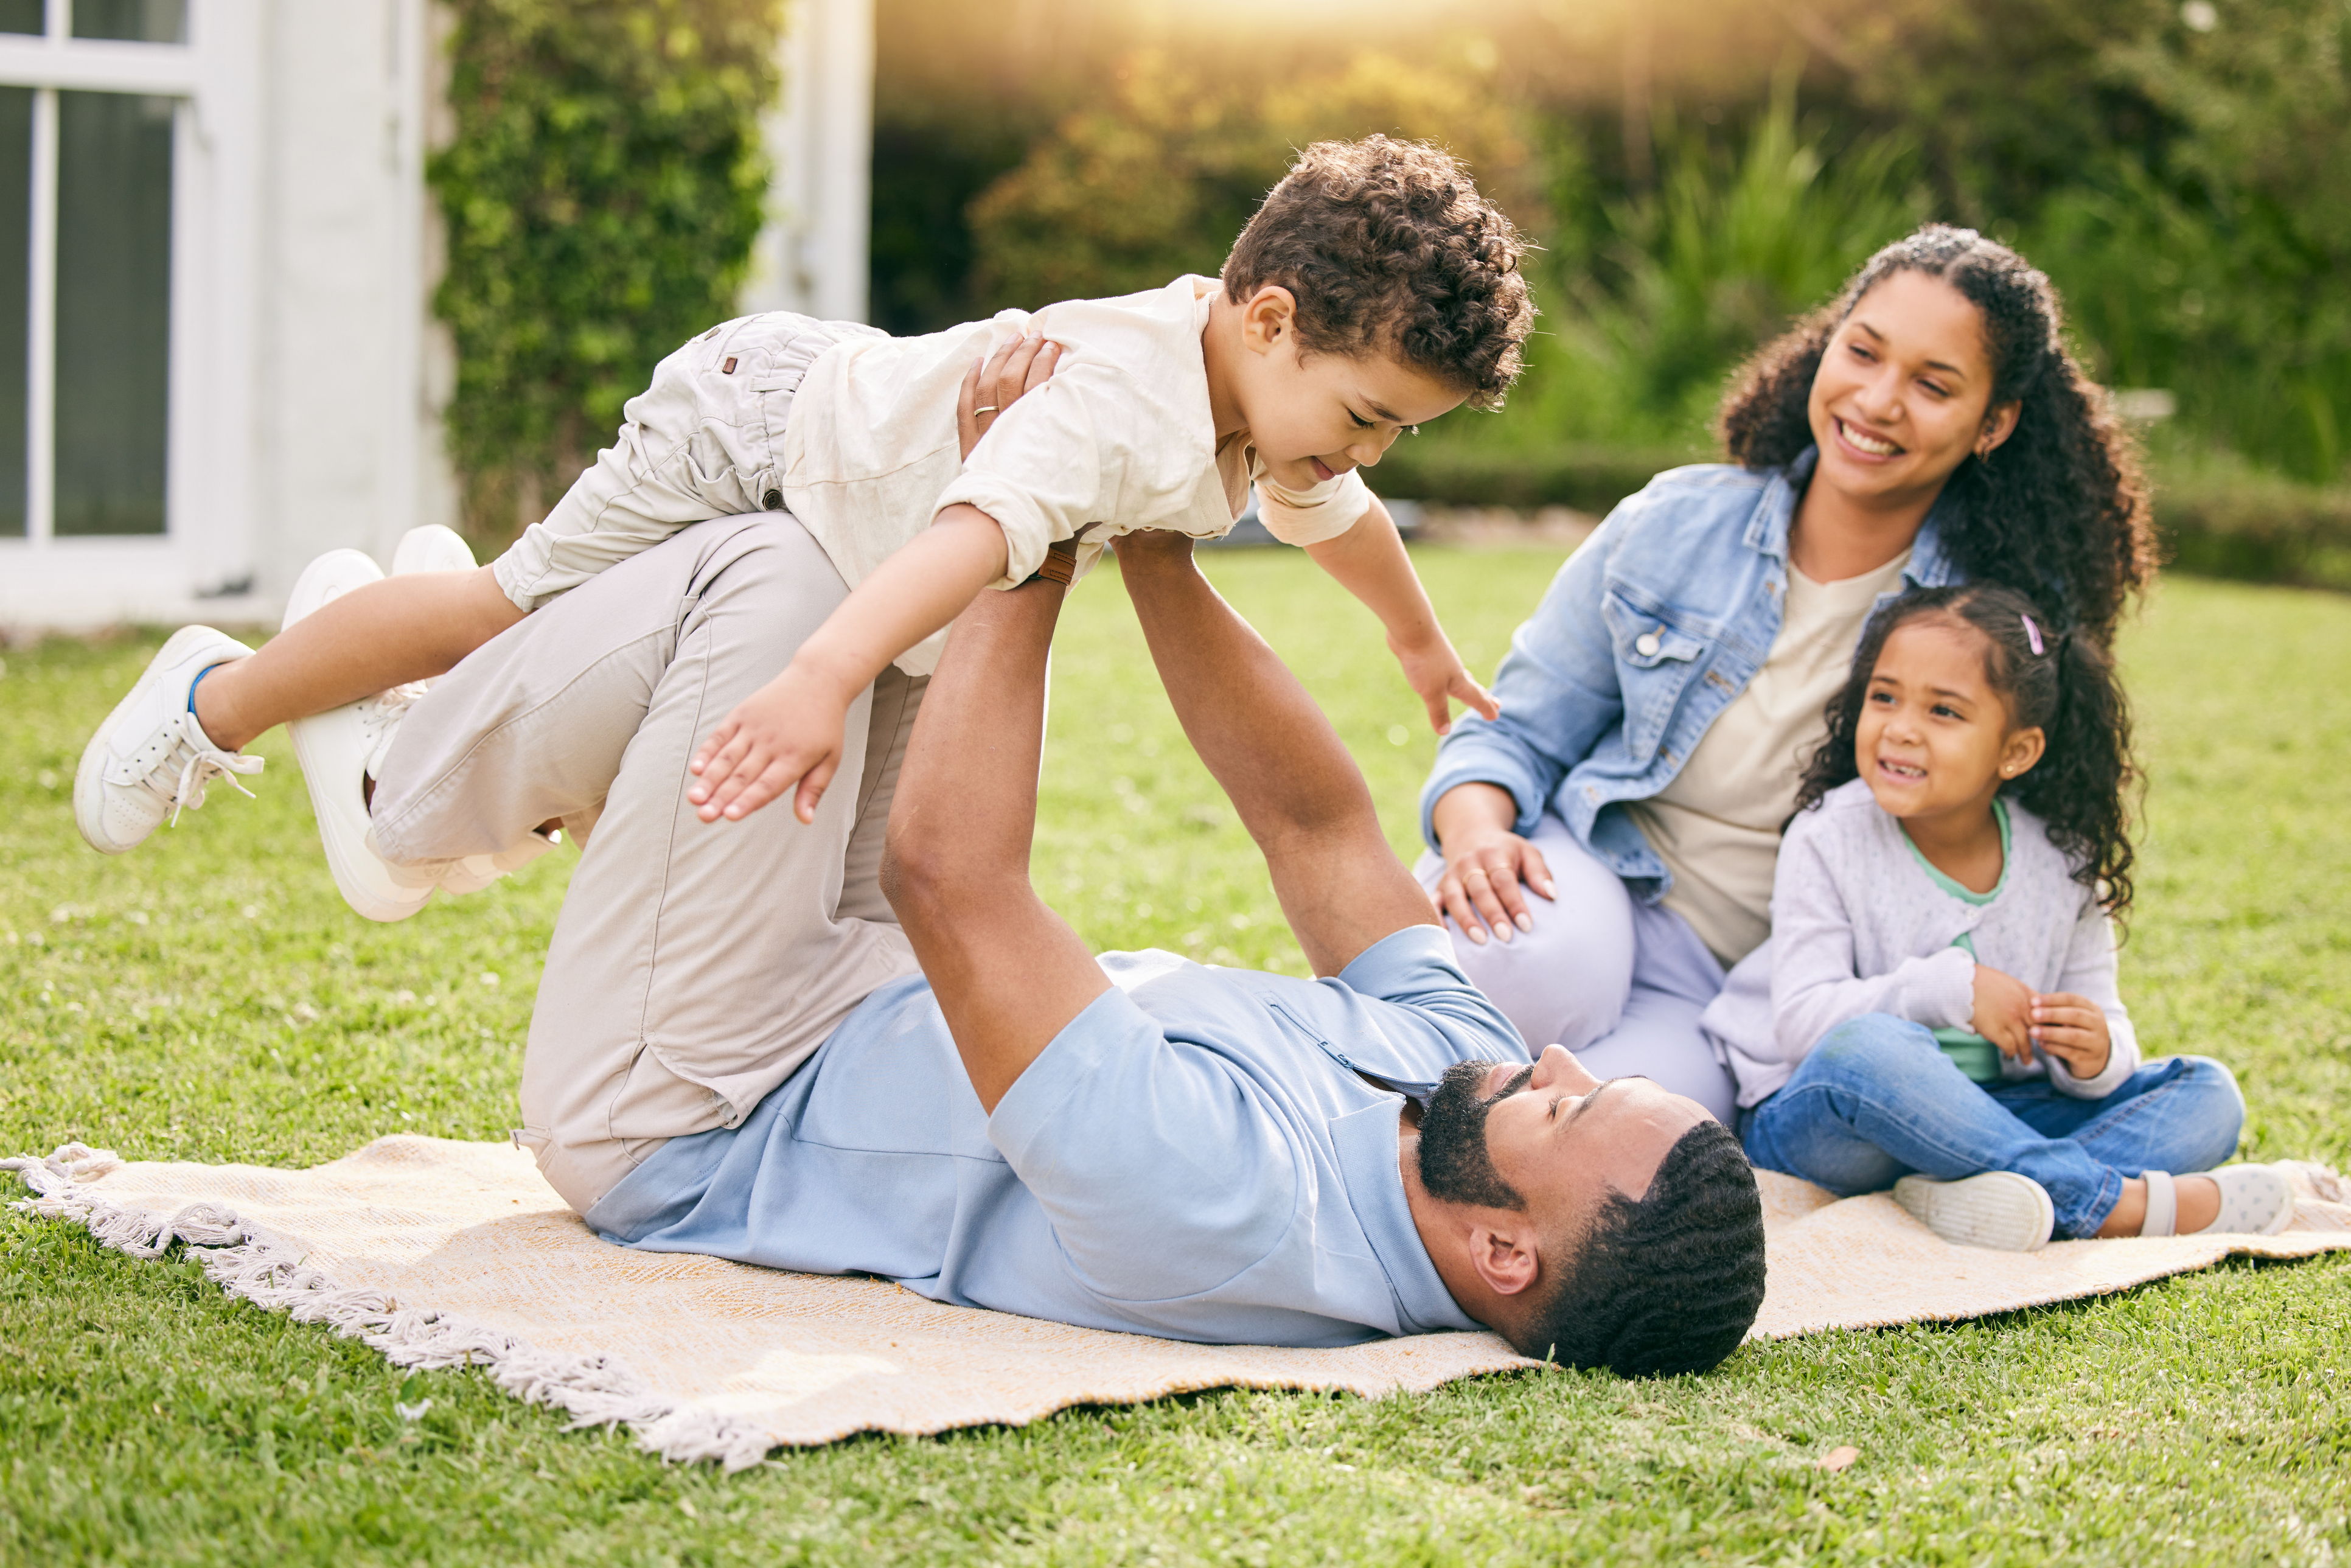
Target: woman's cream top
<point>1717,825</point>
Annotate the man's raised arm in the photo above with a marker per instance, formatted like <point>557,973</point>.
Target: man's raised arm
<point>1009,974</point>
<point>1298,794</point>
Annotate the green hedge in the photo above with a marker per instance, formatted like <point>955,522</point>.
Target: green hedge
<point>2248,526</point>
<point>602,192</point>
<point>2259,530</point>
<point>1589,476</point>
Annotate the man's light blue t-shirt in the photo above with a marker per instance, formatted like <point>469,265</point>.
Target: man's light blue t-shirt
<point>1198,1154</point>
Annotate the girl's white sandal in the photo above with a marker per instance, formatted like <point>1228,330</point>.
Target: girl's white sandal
<point>2255,1200</point>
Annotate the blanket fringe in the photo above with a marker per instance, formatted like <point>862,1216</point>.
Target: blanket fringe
<point>251,1263</point>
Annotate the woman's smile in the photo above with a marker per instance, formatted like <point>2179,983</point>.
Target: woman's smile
<point>1864,443</point>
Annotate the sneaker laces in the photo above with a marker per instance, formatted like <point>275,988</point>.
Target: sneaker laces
<point>380,717</point>
<point>199,762</point>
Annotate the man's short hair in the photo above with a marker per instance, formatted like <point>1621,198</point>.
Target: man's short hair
<point>1665,1283</point>
<point>1388,245</point>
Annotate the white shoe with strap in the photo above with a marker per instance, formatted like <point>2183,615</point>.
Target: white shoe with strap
<point>2255,1200</point>
<point>150,760</point>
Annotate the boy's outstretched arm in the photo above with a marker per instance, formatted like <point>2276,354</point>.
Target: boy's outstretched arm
<point>789,731</point>
<point>1368,561</point>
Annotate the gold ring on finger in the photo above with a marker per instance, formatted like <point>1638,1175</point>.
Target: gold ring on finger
<point>977,411</point>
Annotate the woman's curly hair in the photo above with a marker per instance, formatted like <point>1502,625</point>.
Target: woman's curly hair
<point>2085,784</point>
<point>2061,504</point>
<point>1388,244</point>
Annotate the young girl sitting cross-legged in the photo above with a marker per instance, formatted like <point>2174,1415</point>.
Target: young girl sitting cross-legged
<point>1937,1010</point>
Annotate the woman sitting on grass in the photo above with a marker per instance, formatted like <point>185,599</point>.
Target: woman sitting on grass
<point>1926,428</point>
<point>1938,993</point>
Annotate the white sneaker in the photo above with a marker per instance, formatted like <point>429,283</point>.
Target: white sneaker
<point>1999,1210</point>
<point>338,748</point>
<point>150,758</point>
<point>434,548</point>
<point>430,548</point>
<point>475,873</point>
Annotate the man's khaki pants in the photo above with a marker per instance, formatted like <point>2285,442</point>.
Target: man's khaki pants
<point>695,965</point>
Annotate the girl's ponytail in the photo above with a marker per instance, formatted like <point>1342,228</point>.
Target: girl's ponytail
<point>2084,786</point>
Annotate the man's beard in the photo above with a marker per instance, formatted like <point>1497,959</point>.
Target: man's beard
<point>1454,1165</point>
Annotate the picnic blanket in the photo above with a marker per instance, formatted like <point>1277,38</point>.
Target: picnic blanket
<point>443,1254</point>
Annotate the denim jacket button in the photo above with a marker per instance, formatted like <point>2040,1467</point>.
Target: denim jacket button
<point>1646,645</point>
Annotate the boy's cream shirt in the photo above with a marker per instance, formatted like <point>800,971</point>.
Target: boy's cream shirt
<point>1121,438</point>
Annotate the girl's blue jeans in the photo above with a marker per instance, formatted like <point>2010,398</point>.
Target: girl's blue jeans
<point>1877,1099</point>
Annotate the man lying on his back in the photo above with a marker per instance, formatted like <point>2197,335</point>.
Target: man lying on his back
<point>1141,1143</point>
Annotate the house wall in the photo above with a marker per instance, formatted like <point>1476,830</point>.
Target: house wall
<point>812,256</point>
<point>312,396</point>
<point>347,439</point>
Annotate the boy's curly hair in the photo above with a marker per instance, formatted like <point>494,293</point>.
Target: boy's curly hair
<point>1388,244</point>
<point>2084,785</point>
<point>2061,503</point>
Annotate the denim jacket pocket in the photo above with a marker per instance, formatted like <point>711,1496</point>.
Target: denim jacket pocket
<point>1645,639</point>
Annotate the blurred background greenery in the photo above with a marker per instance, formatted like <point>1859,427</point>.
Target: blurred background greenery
<point>1697,171</point>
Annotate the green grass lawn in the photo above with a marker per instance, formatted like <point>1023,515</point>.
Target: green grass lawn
<point>210,997</point>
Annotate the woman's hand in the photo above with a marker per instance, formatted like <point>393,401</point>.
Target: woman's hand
<point>996,382</point>
<point>1485,862</point>
<point>2003,1013</point>
<point>2073,1030</point>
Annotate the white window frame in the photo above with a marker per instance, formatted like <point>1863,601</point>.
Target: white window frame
<point>207,545</point>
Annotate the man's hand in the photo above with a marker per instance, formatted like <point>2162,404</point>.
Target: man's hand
<point>2073,1030</point>
<point>1435,672</point>
<point>788,732</point>
<point>2003,1012</point>
<point>996,383</point>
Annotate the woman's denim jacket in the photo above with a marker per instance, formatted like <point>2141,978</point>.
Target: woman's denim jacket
<point>1648,632</point>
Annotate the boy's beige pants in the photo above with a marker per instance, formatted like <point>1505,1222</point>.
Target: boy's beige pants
<point>695,965</point>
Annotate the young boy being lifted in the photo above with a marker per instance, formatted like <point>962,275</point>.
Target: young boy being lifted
<point>1372,291</point>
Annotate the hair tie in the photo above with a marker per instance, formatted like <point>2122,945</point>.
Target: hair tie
<point>2032,634</point>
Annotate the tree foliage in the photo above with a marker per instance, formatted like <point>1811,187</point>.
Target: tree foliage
<point>1159,179</point>
<point>2176,168</point>
<point>601,194</point>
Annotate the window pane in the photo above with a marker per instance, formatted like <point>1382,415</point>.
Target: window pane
<point>139,21</point>
<point>22,17</point>
<point>16,246</point>
<point>114,310</point>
